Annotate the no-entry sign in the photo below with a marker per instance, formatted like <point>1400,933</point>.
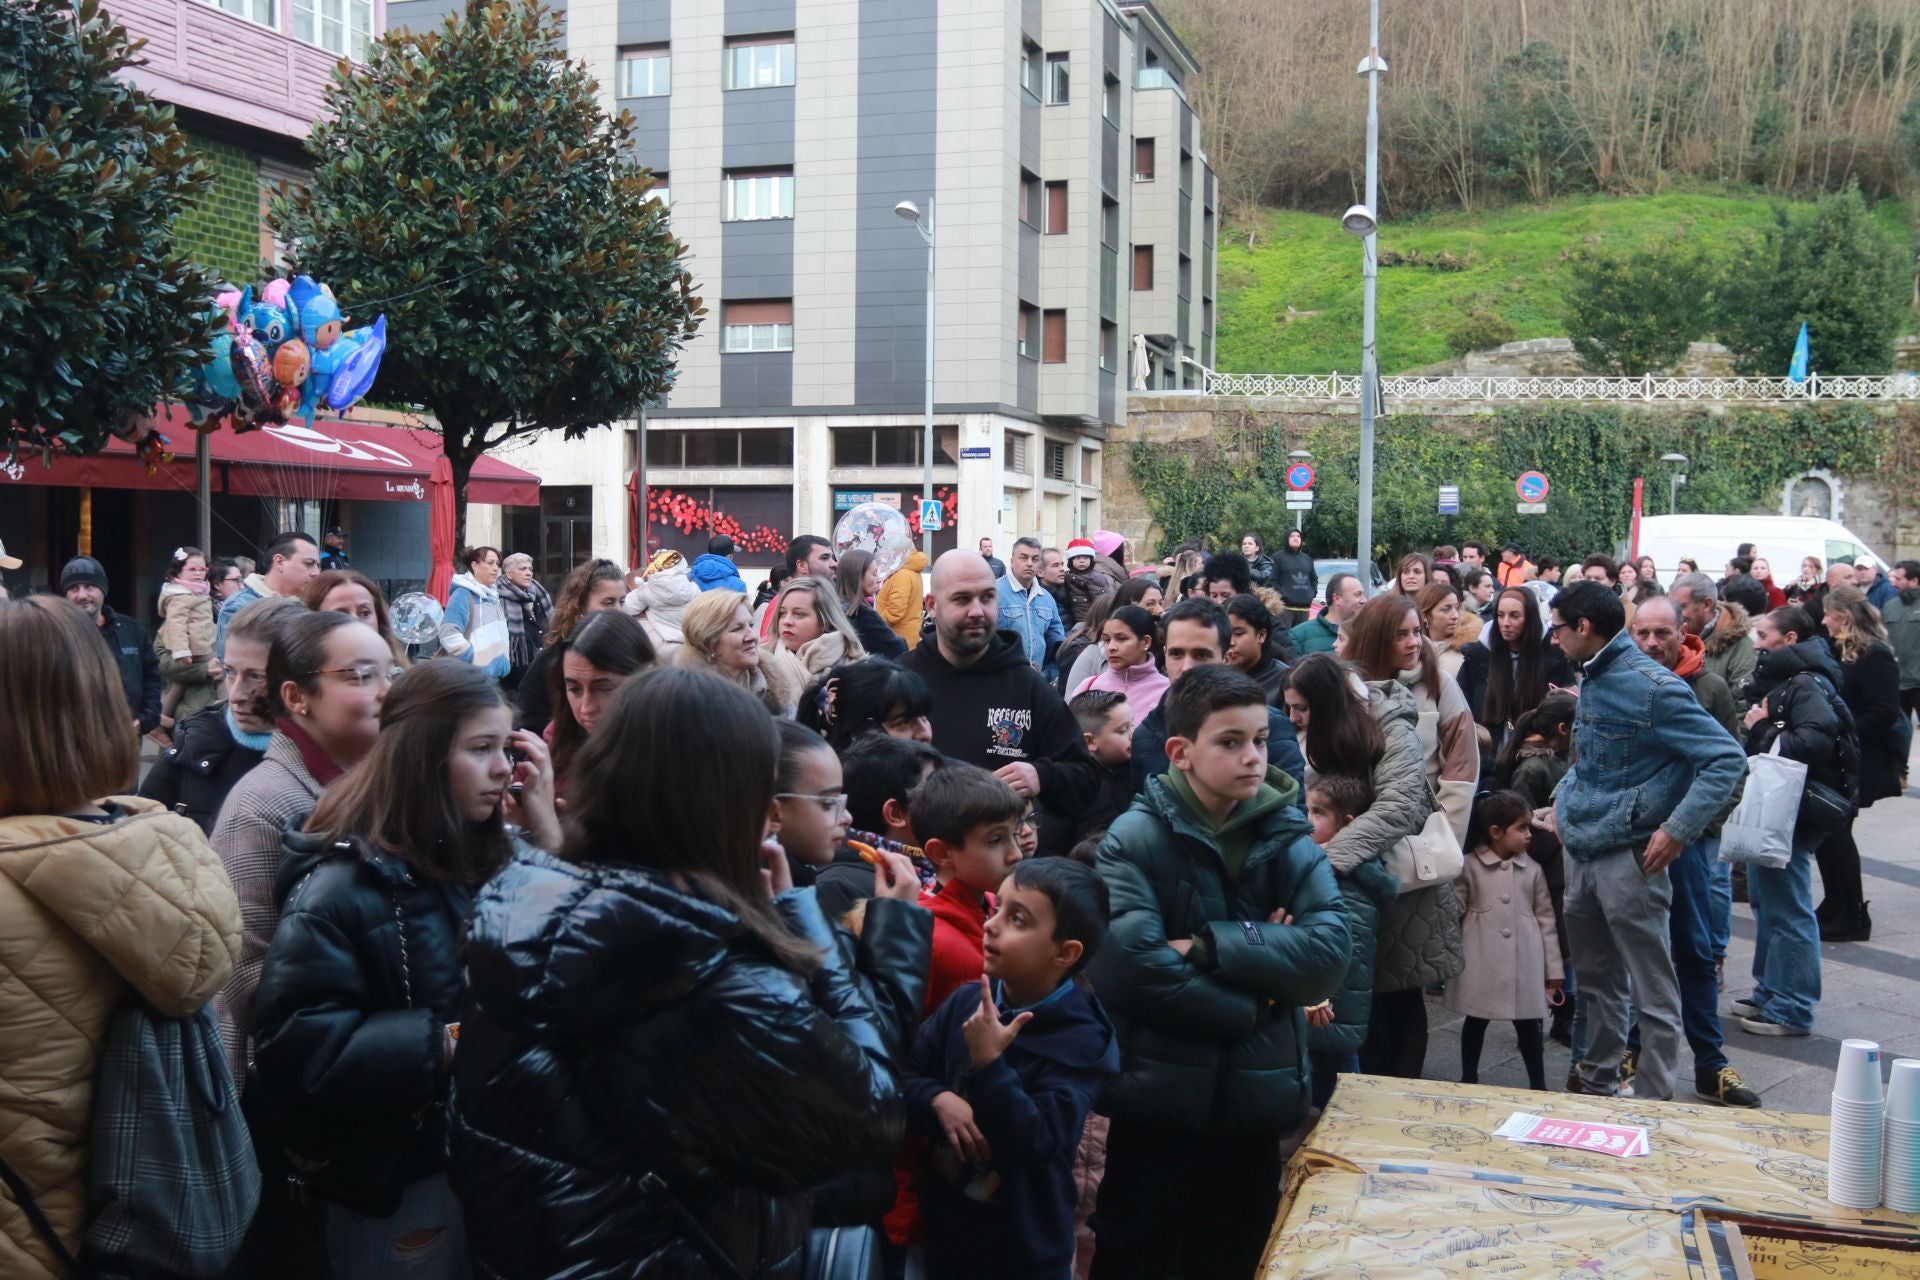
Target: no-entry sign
<point>1531,486</point>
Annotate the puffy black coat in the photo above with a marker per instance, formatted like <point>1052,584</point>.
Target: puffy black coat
<point>363,975</point>
<point>1800,715</point>
<point>1260,570</point>
<point>876,637</point>
<point>621,1026</point>
<point>193,776</point>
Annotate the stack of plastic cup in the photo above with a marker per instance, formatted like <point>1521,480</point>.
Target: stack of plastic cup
<point>1855,1140</point>
<point>1901,1183</point>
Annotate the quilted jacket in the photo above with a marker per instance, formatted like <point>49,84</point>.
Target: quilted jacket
<point>86,910</point>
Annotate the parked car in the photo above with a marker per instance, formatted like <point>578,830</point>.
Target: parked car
<point>1324,569</point>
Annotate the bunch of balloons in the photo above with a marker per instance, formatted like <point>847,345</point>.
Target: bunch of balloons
<point>282,355</point>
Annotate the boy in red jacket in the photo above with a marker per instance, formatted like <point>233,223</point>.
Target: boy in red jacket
<point>967,822</point>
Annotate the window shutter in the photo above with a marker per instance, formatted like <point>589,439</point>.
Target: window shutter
<point>1053,337</point>
<point>1143,266</point>
<point>1056,208</point>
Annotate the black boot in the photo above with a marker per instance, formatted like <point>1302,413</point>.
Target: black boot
<point>1825,911</point>
<point>1854,925</point>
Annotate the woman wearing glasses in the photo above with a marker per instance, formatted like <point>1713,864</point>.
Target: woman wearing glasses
<point>326,676</point>
<point>215,748</point>
<point>361,994</point>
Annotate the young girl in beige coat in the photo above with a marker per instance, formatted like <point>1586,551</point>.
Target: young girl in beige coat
<point>1512,948</point>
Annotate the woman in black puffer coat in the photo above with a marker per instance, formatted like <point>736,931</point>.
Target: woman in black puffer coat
<point>665,1047</point>
<point>360,1000</point>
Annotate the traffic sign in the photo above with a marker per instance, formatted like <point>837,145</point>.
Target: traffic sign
<point>1300,501</point>
<point>1449,499</point>
<point>1531,486</point>
<point>930,513</point>
<point>1530,508</point>
<point>1299,477</point>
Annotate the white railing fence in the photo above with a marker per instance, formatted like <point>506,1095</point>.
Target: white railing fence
<point>1458,388</point>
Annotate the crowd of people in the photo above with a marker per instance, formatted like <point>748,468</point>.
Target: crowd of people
<point>1005,921</point>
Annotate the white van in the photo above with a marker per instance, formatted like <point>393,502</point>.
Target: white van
<point>1783,541</point>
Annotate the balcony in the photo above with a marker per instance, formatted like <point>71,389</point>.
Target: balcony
<point>204,59</point>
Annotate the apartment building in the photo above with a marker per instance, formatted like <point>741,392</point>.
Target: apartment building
<point>1072,211</point>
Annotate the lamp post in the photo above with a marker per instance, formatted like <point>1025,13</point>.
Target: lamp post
<point>923,223</point>
<point>1360,221</point>
<point>1299,455</point>
<point>1675,479</point>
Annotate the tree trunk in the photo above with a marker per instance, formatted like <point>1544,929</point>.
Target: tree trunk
<point>458,445</point>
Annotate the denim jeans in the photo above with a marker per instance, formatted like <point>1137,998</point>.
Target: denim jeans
<point>1720,921</point>
<point>425,1239</point>
<point>1786,948</point>
<point>1692,940</point>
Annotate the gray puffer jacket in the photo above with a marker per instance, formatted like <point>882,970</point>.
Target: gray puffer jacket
<point>1419,932</point>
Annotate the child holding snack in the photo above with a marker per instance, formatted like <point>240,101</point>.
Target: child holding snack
<point>1512,948</point>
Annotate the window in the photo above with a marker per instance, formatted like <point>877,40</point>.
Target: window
<point>1152,75</point>
<point>646,72</point>
<point>883,447</point>
<point>1110,99</point>
<point>1029,198</point>
<point>1089,464</point>
<point>1109,222</point>
<point>1027,331</point>
<point>756,195</point>
<point>341,26</point>
<point>758,326</point>
<point>1056,209</point>
<point>1186,276</point>
<point>1109,351</point>
<point>1016,459</point>
<point>1030,68</point>
<point>748,447</point>
<point>1143,266</point>
<point>760,62</point>
<point>1057,79</point>
<point>1056,460</point>
<point>1186,172</point>
<point>1053,339</point>
<point>660,190</point>
<point>1143,159</point>
<point>264,12</point>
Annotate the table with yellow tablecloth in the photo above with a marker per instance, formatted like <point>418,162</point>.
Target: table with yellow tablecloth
<point>1405,1178</point>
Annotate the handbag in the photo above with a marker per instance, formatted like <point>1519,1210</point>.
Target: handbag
<point>1428,857</point>
<point>1824,811</point>
<point>1760,828</point>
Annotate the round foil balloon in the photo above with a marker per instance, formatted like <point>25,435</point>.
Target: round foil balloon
<point>252,372</point>
<point>876,528</point>
<point>416,617</point>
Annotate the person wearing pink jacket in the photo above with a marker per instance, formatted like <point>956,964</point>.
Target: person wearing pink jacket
<point>1131,671</point>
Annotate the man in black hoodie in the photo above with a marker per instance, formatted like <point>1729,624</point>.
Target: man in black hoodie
<point>992,709</point>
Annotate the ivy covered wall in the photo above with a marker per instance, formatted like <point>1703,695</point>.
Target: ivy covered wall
<point>1193,471</point>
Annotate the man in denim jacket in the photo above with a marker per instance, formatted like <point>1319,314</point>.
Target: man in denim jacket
<point>1027,609</point>
<point>1651,769</point>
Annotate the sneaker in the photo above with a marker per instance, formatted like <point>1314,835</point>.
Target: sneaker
<point>1745,1006</point>
<point>1626,1067</point>
<point>1720,974</point>
<point>1760,1025</point>
<point>1727,1089</point>
<point>1576,1085</point>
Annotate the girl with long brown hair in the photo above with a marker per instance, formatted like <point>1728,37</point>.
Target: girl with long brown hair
<point>362,994</point>
<point>594,587</point>
<point>656,1009</point>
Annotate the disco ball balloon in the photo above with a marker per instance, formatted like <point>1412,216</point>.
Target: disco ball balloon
<point>876,528</point>
<point>416,617</point>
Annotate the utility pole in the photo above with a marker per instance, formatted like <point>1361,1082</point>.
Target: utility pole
<point>1371,67</point>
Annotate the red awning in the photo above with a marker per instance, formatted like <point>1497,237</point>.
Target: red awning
<point>335,458</point>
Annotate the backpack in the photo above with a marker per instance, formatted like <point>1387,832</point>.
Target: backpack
<point>174,1181</point>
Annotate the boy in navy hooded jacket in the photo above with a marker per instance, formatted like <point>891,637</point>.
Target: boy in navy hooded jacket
<point>1003,1075</point>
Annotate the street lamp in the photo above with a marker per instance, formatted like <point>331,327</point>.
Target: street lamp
<point>1361,221</point>
<point>1299,455</point>
<point>1675,479</point>
<point>923,223</point>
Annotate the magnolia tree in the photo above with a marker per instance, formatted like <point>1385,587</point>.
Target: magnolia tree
<point>469,185</point>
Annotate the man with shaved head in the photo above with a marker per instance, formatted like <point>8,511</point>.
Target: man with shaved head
<point>990,707</point>
<point>1659,633</point>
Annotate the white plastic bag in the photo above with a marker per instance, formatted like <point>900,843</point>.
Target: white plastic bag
<point>1760,829</point>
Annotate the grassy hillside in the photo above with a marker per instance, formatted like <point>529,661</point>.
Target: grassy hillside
<point>1511,265</point>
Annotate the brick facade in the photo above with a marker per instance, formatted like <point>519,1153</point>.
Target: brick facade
<point>222,230</point>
